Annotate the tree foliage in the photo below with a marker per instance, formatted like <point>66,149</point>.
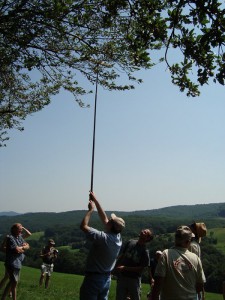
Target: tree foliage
<point>45,45</point>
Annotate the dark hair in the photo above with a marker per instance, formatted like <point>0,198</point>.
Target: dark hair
<point>14,227</point>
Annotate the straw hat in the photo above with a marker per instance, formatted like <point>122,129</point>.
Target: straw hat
<point>199,229</point>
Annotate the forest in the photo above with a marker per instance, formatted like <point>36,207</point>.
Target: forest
<point>73,249</point>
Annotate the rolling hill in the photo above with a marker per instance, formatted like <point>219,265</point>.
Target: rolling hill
<point>213,213</point>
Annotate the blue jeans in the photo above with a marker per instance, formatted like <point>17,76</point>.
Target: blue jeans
<point>95,287</point>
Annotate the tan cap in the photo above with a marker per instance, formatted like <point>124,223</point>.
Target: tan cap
<point>51,241</point>
<point>119,223</point>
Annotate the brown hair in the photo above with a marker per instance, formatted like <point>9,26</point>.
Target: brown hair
<point>14,227</point>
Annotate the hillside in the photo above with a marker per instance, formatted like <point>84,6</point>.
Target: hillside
<point>213,213</point>
<point>198,211</point>
<point>9,213</point>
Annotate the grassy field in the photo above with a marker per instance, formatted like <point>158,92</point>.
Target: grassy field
<point>68,248</point>
<point>63,287</point>
<point>36,236</point>
<point>219,234</point>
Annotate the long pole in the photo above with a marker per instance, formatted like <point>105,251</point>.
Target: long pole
<point>93,146</point>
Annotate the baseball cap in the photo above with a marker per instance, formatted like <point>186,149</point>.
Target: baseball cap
<point>119,223</point>
<point>51,241</point>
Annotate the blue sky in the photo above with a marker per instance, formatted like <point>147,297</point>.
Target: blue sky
<point>155,147</point>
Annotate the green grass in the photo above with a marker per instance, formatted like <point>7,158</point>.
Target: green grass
<point>35,236</point>
<point>219,234</point>
<point>63,287</point>
<point>68,248</point>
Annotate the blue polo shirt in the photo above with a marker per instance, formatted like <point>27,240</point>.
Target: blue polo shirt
<point>104,250</point>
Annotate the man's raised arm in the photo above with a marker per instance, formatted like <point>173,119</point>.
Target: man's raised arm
<point>84,223</point>
<point>100,210</point>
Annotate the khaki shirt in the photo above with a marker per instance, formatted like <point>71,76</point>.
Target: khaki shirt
<point>195,248</point>
<point>181,271</point>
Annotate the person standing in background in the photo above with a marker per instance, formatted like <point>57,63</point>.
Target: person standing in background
<point>25,234</point>
<point>130,266</point>
<point>48,254</point>
<point>15,248</point>
<point>153,264</point>
<point>199,230</point>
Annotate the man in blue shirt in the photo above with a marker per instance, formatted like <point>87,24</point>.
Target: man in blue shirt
<point>15,248</point>
<point>103,253</point>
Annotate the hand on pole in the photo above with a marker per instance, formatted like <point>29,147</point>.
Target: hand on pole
<point>92,197</point>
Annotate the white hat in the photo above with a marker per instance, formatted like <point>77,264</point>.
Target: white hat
<point>119,223</point>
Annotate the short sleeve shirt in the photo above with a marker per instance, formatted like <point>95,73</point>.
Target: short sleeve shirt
<point>181,271</point>
<point>195,248</point>
<point>104,250</point>
<point>48,259</point>
<point>134,255</point>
